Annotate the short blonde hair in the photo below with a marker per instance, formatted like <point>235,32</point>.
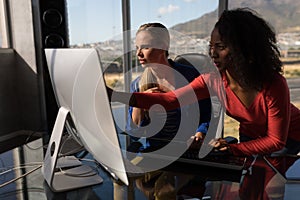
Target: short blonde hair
<point>159,32</point>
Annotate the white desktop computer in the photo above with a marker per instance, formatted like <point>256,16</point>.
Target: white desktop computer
<point>85,112</point>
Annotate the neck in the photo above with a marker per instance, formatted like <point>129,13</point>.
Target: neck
<point>229,76</point>
<point>163,68</point>
<point>232,81</point>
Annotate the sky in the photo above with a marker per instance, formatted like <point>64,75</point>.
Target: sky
<point>92,21</point>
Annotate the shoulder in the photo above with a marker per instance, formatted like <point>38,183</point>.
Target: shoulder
<point>179,66</point>
<point>278,82</point>
<point>184,69</point>
<point>277,88</point>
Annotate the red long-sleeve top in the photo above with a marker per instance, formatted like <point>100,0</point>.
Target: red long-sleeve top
<point>269,120</point>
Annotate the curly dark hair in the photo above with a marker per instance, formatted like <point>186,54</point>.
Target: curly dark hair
<point>253,46</point>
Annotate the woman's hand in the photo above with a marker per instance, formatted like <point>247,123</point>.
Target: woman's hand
<point>196,140</point>
<point>155,90</point>
<point>139,114</point>
<point>165,85</point>
<point>221,145</point>
<point>198,136</point>
<point>122,97</point>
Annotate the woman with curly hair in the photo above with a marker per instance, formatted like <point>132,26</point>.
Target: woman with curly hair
<point>244,50</point>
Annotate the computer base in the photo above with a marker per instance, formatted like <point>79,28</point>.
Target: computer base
<point>63,180</point>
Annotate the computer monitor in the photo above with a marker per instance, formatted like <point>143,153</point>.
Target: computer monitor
<point>76,76</point>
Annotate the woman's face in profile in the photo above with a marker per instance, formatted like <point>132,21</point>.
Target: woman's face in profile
<point>218,50</point>
<point>148,48</point>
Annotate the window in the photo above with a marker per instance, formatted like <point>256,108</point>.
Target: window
<point>189,21</point>
<point>287,28</point>
<point>98,23</point>
<point>92,22</point>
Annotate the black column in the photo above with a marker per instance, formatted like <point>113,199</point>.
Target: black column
<point>54,23</point>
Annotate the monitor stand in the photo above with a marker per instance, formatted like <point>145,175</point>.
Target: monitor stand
<point>75,177</point>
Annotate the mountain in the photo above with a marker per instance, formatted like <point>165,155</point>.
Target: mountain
<point>200,27</point>
<point>283,15</point>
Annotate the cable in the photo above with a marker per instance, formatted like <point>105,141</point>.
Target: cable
<point>89,160</point>
<point>69,137</point>
<point>9,169</point>
<point>76,150</point>
<point>17,178</point>
<point>28,140</point>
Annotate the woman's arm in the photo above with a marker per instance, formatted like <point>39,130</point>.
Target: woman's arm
<point>137,115</point>
<point>202,130</point>
<point>188,94</point>
<point>122,97</point>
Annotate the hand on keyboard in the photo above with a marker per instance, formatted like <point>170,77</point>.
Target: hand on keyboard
<point>194,144</point>
<point>222,145</point>
<point>196,140</point>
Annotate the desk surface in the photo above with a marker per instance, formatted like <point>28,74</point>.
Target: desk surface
<point>265,178</point>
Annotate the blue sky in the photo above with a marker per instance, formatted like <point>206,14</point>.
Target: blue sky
<point>100,20</point>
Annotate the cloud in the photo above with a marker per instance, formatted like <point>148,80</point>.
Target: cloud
<point>169,9</point>
<point>188,1</point>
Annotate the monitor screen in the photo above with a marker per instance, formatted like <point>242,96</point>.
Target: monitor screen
<point>79,86</point>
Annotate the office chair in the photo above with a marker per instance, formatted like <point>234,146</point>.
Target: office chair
<point>200,61</point>
<point>203,64</point>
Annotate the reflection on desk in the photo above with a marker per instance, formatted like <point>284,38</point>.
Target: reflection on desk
<point>263,178</point>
